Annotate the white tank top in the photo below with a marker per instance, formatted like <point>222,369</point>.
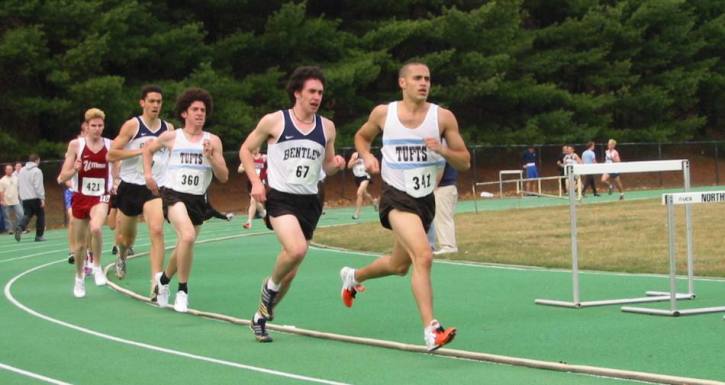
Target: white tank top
<point>408,165</point>
<point>132,168</point>
<point>358,169</point>
<point>294,160</point>
<point>609,156</point>
<point>188,170</point>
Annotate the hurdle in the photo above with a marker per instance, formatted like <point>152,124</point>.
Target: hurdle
<point>670,200</point>
<point>519,182</point>
<point>509,172</point>
<point>574,170</point>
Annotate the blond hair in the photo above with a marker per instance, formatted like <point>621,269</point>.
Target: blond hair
<point>93,113</point>
<point>613,142</point>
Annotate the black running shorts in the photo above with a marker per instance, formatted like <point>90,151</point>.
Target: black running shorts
<point>306,208</point>
<point>392,198</point>
<point>132,197</point>
<point>360,179</point>
<point>195,204</point>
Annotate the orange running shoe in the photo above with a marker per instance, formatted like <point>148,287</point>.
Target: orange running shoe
<point>436,336</point>
<point>350,287</point>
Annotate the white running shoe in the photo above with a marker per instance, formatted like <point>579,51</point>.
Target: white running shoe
<point>181,303</point>
<point>98,276</point>
<point>162,297</point>
<point>79,289</point>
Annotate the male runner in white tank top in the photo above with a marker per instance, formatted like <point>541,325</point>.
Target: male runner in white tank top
<point>195,156</point>
<point>611,155</point>
<point>413,159</point>
<point>133,196</point>
<point>300,146</point>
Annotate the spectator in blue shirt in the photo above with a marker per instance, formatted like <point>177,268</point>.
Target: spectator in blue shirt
<point>529,161</point>
<point>589,157</point>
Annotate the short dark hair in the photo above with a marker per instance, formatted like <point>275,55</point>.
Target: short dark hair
<point>33,158</point>
<point>590,143</point>
<point>149,88</point>
<point>300,76</point>
<point>410,62</point>
<point>191,95</point>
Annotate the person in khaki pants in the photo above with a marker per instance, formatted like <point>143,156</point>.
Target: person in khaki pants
<point>446,198</point>
<point>9,198</point>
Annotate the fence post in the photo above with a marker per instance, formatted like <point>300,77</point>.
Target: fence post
<point>659,157</point>
<point>717,165</point>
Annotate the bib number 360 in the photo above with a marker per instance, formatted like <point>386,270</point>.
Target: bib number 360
<point>420,182</point>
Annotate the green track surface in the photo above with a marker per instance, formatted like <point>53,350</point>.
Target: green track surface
<point>492,307</point>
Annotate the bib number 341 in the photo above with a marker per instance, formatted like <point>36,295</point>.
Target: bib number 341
<point>420,182</point>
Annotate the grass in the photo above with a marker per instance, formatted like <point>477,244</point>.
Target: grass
<point>628,236</point>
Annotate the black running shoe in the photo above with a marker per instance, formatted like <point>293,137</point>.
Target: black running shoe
<point>260,330</point>
<point>114,250</point>
<point>130,251</point>
<point>71,258</point>
<point>266,301</point>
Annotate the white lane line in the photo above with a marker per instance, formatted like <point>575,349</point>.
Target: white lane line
<point>16,303</point>
<point>32,375</point>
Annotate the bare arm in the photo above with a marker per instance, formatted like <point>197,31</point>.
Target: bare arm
<point>352,160</point>
<point>455,151</point>
<point>117,151</point>
<point>333,163</point>
<point>264,130</point>
<point>164,140</point>
<point>72,164</point>
<point>367,133</point>
<point>214,152</point>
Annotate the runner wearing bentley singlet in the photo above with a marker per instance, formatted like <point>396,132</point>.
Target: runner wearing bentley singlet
<point>133,196</point>
<point>300,146</point>
<point>86,162</point>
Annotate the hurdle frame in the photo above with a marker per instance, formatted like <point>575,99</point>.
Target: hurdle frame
<point>519,184</point>
<point>574,170</point>
<point>670,200</point>
<point>476,185</point>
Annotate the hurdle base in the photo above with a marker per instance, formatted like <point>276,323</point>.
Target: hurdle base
<point>673,313</point>
<point>667,293</point>
<point>607,302</point>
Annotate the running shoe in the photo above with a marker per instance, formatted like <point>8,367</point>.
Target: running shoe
<point>436,336</point>
<point>355,217</point>
<point>260,329</point>
<point>71,258</point>
<point>229,216</point>
<point>181,302</point>
<point>266,301</point>
<point>350,287</point>
<point>114,250</point>
<point>98,276</point>
<point>376,204</point>
<point>79,289</point>
<point>120,267</point>
<point>247,225</point>
<point>162,295</point>
<point>130,251</point>
<point>18,234</point>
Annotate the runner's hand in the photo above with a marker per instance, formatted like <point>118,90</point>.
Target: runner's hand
<point>371,163</point>
<point>258,192</point>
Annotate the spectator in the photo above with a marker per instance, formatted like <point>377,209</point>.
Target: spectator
<point>32,193</point>
<point>529,160</point>
<point>560,164</point>
<point>9,198</point>
<point>446,195</point>
<point>589,157</point>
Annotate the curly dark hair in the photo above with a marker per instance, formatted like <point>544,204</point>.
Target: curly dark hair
<point>190,96</point>
<point>300,76</point>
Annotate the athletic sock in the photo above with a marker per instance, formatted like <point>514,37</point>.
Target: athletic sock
<point>183,286</point>
<point>272,286</point>
<point>164,279</point>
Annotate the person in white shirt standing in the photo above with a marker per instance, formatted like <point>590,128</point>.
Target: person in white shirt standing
<point>9,199</point>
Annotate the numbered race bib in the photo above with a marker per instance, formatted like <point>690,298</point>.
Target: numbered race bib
<point>420,182</point>
<point>359,170</point>
<point>303,172</point>
<point>190,181</point>
<point>94,187</point>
